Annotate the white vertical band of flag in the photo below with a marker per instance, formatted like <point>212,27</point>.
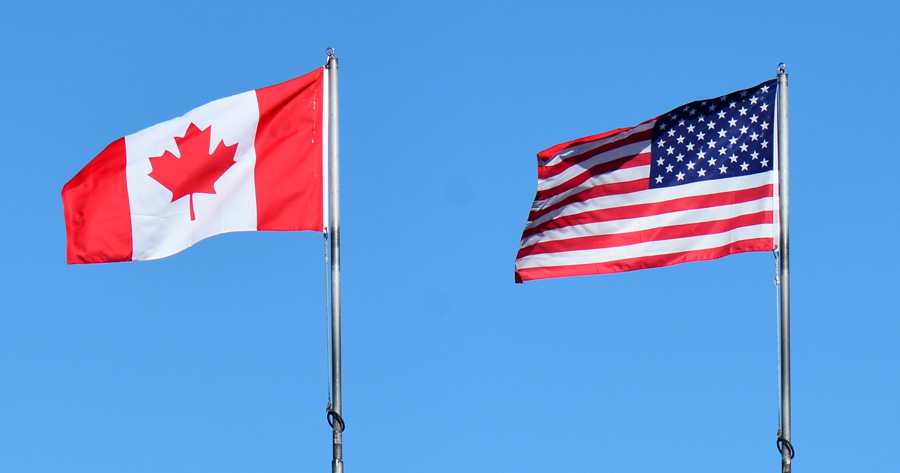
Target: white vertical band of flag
<point>325,146</point>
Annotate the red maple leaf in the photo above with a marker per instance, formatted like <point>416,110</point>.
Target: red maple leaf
<point>196,170</point>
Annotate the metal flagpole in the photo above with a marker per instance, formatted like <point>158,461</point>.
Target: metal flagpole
<point>334,229</point>
<point>784,430</point>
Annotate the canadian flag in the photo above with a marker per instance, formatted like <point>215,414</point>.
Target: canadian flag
<point>253,161</point>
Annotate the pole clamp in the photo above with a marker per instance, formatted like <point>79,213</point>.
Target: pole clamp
<point>334,418</point>
<point>783,443</point>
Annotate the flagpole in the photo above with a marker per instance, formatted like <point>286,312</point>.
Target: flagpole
<point>784,430</point>
<point>334,229</point>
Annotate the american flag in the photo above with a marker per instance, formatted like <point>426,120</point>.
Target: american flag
<point>696,183</point>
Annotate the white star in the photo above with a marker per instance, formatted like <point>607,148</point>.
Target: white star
<point>764,144</point>
<point>764,107</point>
<point>680,139</point>
<point>711,125</point>
<point>764,125</point>
<point>743,130</point>
<point>744,166</point>
<point>754,136</point>
<point>732,122</point>
<point>712,161</point>
<point>712,107</point>
<point>753,100</point>
<point>701,119</point>
<point>671,133</point>
<point>659,179</point>
<point>681,123</point>
<point>701,172</point>
<point>679,158</point>
<point>733,158</point>
<point>690,146</point>
<point>764,88</point>
<point>661,143</point>
<point>701,135</point>
<point>702,155</point>
<point>722,133</point>
<point>754,118</point>
<point>723,169</point>
<point>670,150</point>
<point>691,165</point>
<point>680,176</point>
<point>744,147</point>
<point>754,155</point>
<point>732,104</point>
<point>743,111</point>
<point>662,126</point>
<point>669,168</point>
<point>721,114</point>
<point>764,163</point>
<point>660,161</point>
<point>722,151</point>
<point>692,112</point>
<point>743,93</point>
<point>711,143</point>
<point>690,128</point>
<point>732,140</point>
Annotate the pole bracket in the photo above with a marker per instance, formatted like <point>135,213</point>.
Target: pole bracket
<point>783,443</point>
<point>334,418</point>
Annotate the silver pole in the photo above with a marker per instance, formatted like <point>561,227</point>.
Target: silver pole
<point>784,432</point>
<point>334,410</point>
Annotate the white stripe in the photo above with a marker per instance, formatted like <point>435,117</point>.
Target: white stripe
<point>657,221</point>
<point>580,168</point>
<point>663,194</point>
<point>653,248</point>
<point>574,151</point>
<point>613,177</point>
<point>325,148</point>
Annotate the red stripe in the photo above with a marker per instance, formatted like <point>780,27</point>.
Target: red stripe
<point>289,155</point>
<point>569,161</point>
<point>554,150</point>
<point>631,264</point>
<point>655,208</point>
<point>98,216</point>
<point>624,162</point>
<point>615,188</point>
<point>653,234</point>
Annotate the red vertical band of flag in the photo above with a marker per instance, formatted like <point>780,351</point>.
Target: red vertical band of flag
<point>98,217</point>
<point>288,163</point>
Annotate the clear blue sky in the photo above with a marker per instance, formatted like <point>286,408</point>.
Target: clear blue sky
<point>215,359</point>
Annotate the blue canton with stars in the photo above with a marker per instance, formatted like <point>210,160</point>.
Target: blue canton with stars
<point>729,136</point>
